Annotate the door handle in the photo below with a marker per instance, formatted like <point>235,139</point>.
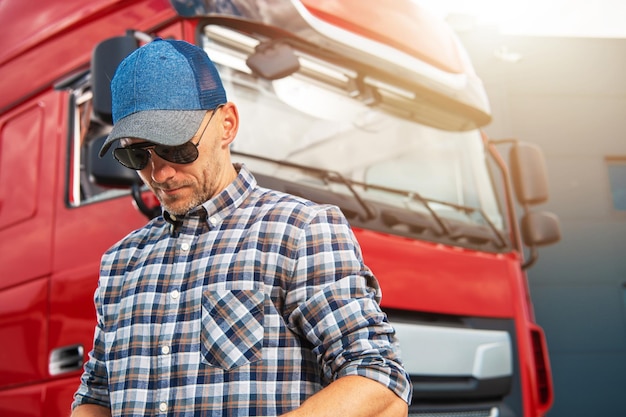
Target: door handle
<point>66,359</point>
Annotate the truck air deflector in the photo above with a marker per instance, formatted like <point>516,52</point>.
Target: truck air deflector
<point>447,92</point>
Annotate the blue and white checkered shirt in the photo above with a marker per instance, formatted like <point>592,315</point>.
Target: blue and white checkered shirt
<point>245,307</point>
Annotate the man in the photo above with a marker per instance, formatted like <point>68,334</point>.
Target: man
<point>239,300</point>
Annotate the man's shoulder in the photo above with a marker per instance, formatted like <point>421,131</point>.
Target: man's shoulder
<point>148,233</point>
<point>290,208</point>
<point>275,200</point>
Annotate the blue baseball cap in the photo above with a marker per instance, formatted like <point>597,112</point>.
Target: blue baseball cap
<point>162,91</point>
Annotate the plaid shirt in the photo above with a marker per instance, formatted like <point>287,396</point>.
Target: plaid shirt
<point>245,307</point>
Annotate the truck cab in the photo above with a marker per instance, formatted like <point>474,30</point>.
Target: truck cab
<point>377,111</point>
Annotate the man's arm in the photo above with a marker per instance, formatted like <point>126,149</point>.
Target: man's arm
<point>92,395</point>
<point>353,396</point>
<point>335,300</point>
<point>91,410</point>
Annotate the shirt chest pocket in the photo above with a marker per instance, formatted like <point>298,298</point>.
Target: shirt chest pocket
<point>232,327</point>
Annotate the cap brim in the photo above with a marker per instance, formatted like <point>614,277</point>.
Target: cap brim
<point>165,127</point>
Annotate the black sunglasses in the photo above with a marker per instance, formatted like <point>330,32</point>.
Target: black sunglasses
<point>137,156</point>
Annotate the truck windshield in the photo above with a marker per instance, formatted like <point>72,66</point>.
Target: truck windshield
<point>305,120</point>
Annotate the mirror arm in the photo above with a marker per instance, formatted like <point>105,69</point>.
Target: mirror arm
<point>533,256</point>
<point>533,253</point>
<point>150,213</point>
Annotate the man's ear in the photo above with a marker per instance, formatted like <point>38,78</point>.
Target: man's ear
<point>230,123</point>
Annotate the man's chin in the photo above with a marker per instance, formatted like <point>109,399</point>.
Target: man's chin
<point>176,210</point>
<point>175,207</point>
<point>179,207</point>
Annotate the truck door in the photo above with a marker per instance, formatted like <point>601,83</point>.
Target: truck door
<point>89,219</point>
<point>28,156</point>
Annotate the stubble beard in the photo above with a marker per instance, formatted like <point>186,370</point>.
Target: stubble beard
<point>179,206</point>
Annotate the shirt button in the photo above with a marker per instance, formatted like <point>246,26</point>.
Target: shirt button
<point>163,407</point>
<point>165,350</point>
<point>213,221</point>
<point>185,246</point>
<point>174,294</point>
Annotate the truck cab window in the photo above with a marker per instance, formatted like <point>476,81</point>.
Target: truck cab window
<point>616,167</point>
<point>85,131</point>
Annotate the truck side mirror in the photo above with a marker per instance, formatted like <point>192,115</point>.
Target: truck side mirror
<point>528,172</point>
<point>106,171</point>
<point>540,228</point>
<point>106,56</point>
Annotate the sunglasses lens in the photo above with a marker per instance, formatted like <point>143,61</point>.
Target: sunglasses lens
<point>137,158</point>
<point>132,158</point>
<point>183,154</point>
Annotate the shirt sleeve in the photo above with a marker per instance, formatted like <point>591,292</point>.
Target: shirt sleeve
<point>335,300</point>
<point>93,388</point>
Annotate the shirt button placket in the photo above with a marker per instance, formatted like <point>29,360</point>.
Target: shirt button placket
<point>165,339</point>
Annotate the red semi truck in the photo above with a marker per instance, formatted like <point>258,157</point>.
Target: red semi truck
<point>371,106</point>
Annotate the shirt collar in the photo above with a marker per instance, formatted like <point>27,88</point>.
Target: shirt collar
<point>223,204</point>
<point>231,198</point>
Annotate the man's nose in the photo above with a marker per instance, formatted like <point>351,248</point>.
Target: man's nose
<point>162,170</point>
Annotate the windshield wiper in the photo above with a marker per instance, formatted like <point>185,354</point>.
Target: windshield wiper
<point>460,230</point>
<point>455,230</point>
<point>325,175</point>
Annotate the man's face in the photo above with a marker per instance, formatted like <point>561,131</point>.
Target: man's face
<point>182,187</point>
